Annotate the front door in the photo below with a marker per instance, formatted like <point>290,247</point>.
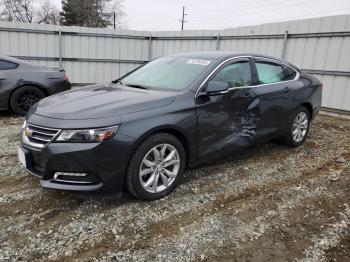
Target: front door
<point>227,121</point>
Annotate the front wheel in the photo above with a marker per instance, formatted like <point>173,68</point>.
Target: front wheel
<point>156,167</point>
<point>298,127</point>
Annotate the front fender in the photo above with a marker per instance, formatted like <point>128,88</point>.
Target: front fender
<point>180,123</point>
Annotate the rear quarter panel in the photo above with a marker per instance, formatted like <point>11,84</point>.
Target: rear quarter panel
<point>310,93</point>
<point>50,82</point>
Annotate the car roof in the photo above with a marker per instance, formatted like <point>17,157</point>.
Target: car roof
<point>208,54</point>
<point>11,59</point>
<point>20,62</point>
<point>223,55</point>
<point>216,55</point>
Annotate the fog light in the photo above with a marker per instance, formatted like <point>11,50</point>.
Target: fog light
<point>57,174</point>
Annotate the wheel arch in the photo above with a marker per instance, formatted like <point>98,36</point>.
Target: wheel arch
<point>37,85</point>
<point>176,132</point>
<point>309,108</point>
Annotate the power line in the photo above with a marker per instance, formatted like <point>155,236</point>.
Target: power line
<point>255,11</point>
<point>233,9</point>
<point>301,16</point>
<point>287,19</point>
<point>216,17</point>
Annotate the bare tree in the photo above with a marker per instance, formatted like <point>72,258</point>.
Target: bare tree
<point>114,7</point>
<point>90,13</point>
<point>47,13</point>
<point>17,10</point>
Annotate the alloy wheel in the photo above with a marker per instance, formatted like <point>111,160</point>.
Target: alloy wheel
<point>27,99</point>
<point>159,168</point>
<point>300,126</point>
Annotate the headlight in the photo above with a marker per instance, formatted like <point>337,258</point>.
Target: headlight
<point>87,135</point>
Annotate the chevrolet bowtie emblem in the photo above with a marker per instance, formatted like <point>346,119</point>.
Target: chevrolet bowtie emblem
<point>28,132</point>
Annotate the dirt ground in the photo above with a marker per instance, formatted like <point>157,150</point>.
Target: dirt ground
<point>268,203</point>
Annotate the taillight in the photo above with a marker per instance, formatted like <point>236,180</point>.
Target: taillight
<point>66,78</point>
<point>321,86</point>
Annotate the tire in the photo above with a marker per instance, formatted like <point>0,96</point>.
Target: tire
<point>295,126</point>
<point>24,97</point>
<point>144,161</point>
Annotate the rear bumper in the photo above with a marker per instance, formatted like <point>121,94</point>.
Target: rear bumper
<point>60,87</point>
<point>98,166</point>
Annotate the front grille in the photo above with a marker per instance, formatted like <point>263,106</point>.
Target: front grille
<point>38,136</point>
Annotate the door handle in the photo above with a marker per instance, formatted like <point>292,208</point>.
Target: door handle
<point>249,95</point>
<point>286,89</point>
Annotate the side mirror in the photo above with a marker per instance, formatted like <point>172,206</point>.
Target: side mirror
<point>217,88</point>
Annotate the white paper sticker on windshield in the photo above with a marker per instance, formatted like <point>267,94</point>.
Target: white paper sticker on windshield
<point>198,62</point>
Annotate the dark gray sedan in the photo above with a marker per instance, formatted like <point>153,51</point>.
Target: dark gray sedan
<point>23,84</point>
<point>141,131</point>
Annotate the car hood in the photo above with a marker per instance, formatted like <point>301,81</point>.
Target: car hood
<point>101,101</point>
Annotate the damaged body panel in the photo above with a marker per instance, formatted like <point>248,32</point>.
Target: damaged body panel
<point>196,106</point>
<point>226,122</point>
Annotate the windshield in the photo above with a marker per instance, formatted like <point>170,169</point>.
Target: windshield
<point>167,73</point>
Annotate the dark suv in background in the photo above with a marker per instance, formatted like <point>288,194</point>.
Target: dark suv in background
<point>23,84</point>
<point>141,131</point>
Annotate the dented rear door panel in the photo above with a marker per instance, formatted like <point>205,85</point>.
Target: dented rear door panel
<point>274,101</point>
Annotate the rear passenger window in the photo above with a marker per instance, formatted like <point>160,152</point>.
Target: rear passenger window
<point>5,65</point>
<point>289,73</point>
<point>269,72</point>
<point>236,75</point>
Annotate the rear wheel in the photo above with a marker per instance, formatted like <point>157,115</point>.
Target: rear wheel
<point>298,127</point>
<point>24,97</point>
<point>156,167</point>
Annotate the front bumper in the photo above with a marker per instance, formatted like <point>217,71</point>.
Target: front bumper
<point>104,164</point>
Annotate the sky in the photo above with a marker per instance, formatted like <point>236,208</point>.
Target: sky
<point>158,15</point>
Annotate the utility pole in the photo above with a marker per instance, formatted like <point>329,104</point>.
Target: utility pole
<point>114,20</point>
<point>183,18</point>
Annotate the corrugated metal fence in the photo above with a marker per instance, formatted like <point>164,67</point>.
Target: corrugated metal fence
<point>321,46</point>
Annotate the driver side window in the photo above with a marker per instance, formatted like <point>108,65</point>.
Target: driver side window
<point>236,75</point>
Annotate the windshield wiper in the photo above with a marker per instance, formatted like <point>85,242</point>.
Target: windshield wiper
<point>137,86</point>
<point>118,81</point>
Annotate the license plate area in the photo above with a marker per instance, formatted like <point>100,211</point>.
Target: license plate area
<point>23,156</point>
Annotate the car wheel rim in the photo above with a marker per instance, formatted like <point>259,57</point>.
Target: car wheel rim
<point>159,168</point>
<point>27,99</point>
<point>300,126</point>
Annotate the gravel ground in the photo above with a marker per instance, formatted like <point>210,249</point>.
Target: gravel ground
<point>269,203</point>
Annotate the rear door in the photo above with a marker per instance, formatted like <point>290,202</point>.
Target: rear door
<point>275,95</point>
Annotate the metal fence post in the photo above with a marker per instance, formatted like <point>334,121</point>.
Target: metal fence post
<point>60,48</point>
<point>218,42</point>
<point>150,48</point>
<point>284,47</point>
